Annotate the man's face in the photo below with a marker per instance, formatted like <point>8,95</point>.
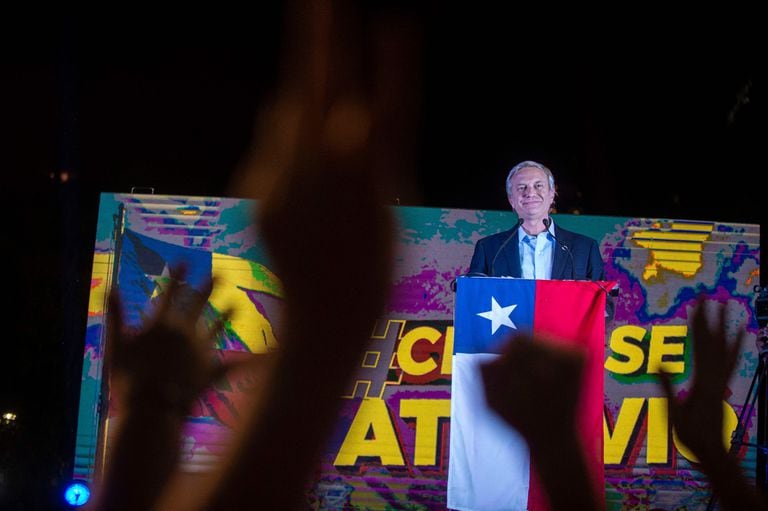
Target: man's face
<point>531,196</point>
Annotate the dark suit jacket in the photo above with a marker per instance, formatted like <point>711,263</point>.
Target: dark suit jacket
<point>587,263</point>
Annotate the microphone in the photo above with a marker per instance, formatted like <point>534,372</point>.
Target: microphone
<point>511,235</point>
<point>547,222</point>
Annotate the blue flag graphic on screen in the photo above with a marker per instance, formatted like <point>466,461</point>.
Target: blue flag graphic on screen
<point>144,270</point>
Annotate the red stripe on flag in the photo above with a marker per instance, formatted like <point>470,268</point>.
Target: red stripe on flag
<point>573,313</point>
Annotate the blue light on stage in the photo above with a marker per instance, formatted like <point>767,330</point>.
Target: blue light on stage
<point>77,494</point>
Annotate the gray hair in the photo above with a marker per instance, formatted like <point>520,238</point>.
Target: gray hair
<point>526,164</point>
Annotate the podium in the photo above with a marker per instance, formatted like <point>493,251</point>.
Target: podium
<point>489,466</point>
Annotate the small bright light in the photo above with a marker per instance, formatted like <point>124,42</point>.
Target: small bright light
<point>77,494</point>
<point>8,417</point>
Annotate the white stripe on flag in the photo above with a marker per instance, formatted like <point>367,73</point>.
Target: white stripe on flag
<point>489,465</point>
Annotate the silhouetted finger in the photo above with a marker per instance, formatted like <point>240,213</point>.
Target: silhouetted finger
<point>701,336</point>
<point>220,323</point>
<point>113,351</point>
<point>733,350</point>
<point>198,304</point>
<point>666,385</point>
<point>177,275</point>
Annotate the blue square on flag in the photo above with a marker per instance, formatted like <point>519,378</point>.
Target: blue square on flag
<point>489,310</point>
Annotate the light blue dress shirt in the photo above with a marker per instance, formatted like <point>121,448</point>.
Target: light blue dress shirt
<point>536,254</point>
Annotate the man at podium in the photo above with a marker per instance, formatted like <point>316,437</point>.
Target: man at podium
<point>533,248</point>
<point>559,294</point>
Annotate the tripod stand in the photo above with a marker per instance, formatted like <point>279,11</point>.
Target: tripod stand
<point>757,393</point>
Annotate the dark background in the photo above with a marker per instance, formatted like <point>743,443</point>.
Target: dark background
<point>654,114</point>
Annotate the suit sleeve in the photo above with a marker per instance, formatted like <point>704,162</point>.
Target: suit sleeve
<point>597,272</point>
<point>595,265</point>
<point>478,263</point>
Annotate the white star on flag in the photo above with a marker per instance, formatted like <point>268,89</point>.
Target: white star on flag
<point>498,315</point>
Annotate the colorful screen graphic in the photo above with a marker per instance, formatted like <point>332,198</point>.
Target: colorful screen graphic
<point>390,445</point>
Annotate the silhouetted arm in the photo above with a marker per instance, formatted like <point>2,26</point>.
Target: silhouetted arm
<point>330,240</point>
<point>698,419</point>
<point>155,374</point>
<point>534,387</point>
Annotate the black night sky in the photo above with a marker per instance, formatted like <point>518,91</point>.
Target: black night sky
<point>638,114</point>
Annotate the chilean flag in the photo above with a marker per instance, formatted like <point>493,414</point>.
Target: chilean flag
<point>489,466</point>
